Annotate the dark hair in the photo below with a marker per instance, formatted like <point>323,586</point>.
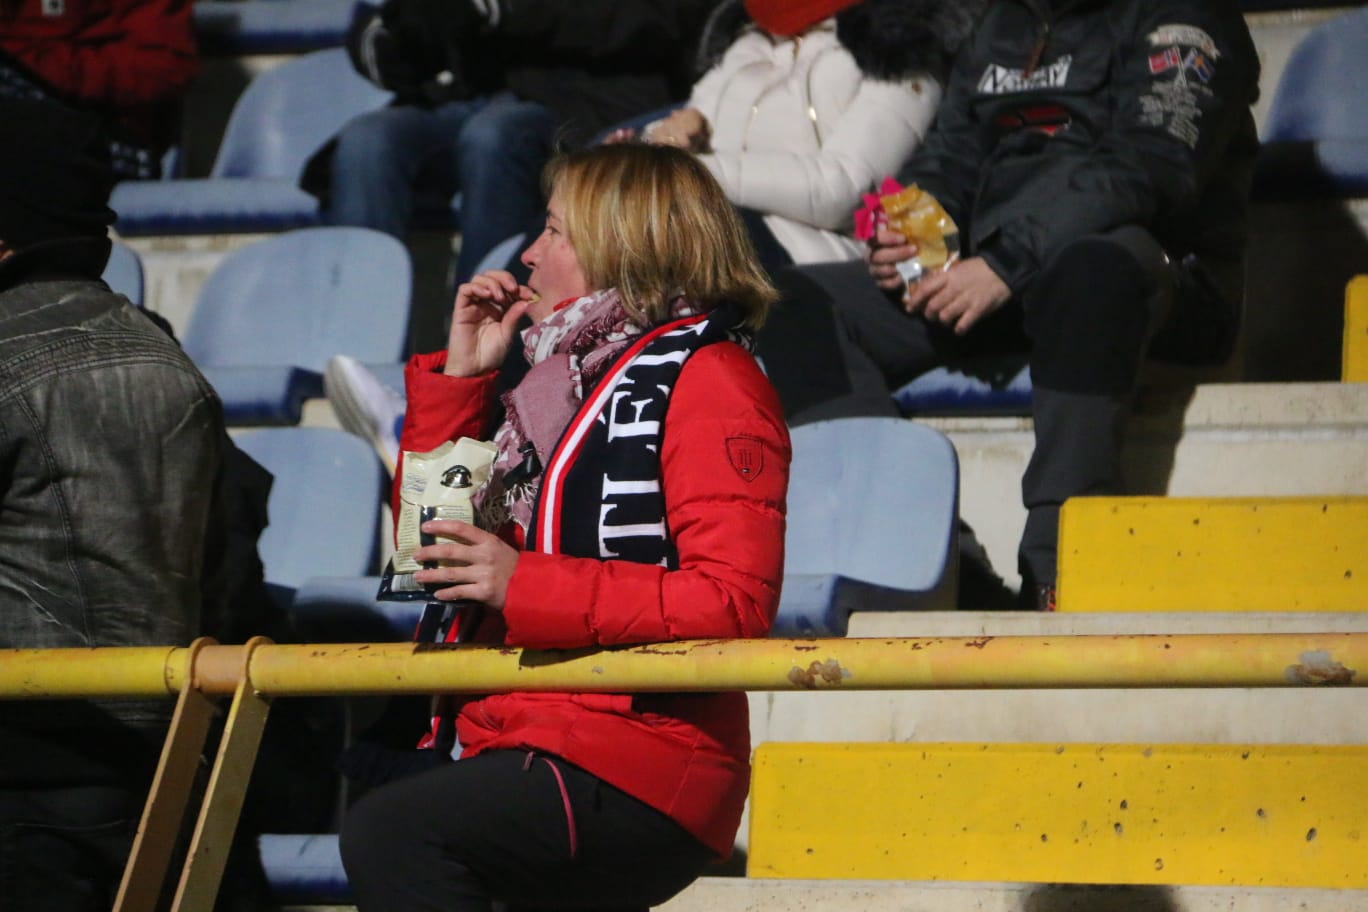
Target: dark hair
<point>55,176</point>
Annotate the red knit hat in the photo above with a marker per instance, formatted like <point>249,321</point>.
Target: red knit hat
<point>789,17</point>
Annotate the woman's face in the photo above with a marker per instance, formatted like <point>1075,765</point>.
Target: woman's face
<point>556,273</point>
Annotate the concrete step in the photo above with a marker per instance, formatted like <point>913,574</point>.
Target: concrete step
<point>1212,440</point>
<point>1213,554</point>
<point>1215,815</point>
<point>742,894</point>
<point>745,894</point>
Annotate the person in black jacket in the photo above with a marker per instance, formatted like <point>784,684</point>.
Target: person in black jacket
<point>484,90</point>
<point>1096,157</point>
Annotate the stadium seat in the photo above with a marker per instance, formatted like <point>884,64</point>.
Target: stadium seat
<point>270,316</point>
<point>245,27</point>
<point>324,506</point>
<point>124,272</point>
<point>996,387</point>
<point>303,868</point>
<point>873,509</point>
<point>282,118</point>
<point>1316,131</point>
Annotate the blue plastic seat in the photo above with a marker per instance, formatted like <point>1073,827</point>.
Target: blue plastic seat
<point>270,316</point>
<point>324,505</point>
<point>304,868</point>
<point>124,272</point>
<point>270,26</point>
<point>873,510</point>
<point>1316,132</point>
<point>948,391</point>
<point>281,119</point>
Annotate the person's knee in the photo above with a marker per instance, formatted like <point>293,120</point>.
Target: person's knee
<point>504,131</point>
<point>1087,314</point>
<point>367,836</point>
<point>370,138</point>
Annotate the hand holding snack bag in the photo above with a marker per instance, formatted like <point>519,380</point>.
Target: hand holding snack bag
<point>917,216</point>
<point>438,484</point>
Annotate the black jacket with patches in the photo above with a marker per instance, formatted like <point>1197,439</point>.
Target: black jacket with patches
<point>889,39</point>
<point>1063,119</point>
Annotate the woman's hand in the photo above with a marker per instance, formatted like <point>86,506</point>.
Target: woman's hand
<point>483,322</point>
<point>474,564</point>
<point>959,296</point>
<point>686,128</point>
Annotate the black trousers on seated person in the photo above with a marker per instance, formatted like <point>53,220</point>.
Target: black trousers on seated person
<point>500,830</point>
<point>836,346</point>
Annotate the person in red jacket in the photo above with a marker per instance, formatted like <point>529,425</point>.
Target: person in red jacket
<point>128,61</point>
<point>638,496</point>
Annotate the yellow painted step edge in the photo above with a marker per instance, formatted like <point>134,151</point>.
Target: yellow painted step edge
<point>1268,554</point>
<point>1354,365</point>
<point>1243,815</point>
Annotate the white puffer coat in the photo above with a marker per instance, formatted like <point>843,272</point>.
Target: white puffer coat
<point>800,133</point>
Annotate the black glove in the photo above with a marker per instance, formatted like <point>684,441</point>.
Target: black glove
<point>377,54</point>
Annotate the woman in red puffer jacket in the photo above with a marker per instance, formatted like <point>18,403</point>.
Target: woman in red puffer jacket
<point>638,497</point>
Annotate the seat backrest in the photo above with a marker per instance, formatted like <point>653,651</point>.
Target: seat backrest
<point>301,297</point>
<point>1323,91</point>
<point>874,500</point>
<point>124,272</point>
<point>288,112</point>
<point>324,506</point>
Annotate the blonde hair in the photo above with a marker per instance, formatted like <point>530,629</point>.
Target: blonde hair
<point>651,222</point>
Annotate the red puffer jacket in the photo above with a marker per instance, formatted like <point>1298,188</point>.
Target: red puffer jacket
<point>130,58</point>
<point>685,754</point>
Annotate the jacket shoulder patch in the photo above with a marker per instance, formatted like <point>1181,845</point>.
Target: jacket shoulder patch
<point>747,456</point>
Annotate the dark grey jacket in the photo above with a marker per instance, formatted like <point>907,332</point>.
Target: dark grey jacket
<point>110,446</point>
<point>1065,118</point>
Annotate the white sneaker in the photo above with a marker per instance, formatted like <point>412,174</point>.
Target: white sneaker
<point>366,406</point>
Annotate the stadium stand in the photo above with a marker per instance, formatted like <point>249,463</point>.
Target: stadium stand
<point>1249,439</point>
<point>270,316</point>
<point>285,115</point>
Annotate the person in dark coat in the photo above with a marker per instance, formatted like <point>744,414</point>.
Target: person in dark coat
<point>1096,158</point>
<point>484,91</point>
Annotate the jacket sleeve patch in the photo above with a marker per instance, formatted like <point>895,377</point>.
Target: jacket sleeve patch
<point>1181,63</point>
<point>747,456</point>
<point>1188,36</point>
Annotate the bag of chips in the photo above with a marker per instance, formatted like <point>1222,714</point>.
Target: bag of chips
<point>917,216</point>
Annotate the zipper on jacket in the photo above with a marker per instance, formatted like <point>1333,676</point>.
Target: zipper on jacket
<point>1037,50</point>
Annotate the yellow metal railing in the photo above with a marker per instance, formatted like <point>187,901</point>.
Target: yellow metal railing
<point>255,672</point>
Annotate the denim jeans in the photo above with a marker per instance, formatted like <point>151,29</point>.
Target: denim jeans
<point>490,150</point>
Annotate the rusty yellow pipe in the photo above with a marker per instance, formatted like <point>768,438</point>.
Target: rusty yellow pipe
<point>909,663</point>
<point>126,671</point>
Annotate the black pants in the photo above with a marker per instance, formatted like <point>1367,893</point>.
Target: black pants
<point>835,346</point>
<point>70,802</point>
<point>529,831</point>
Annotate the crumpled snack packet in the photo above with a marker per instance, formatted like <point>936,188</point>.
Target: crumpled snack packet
<point>438,484</point>
<point>917,216</point>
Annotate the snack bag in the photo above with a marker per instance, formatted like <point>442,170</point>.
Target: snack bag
<point>917,216</point>
<point>438,484</point>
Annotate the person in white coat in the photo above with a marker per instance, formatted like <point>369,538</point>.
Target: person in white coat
<point>807,104</point>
